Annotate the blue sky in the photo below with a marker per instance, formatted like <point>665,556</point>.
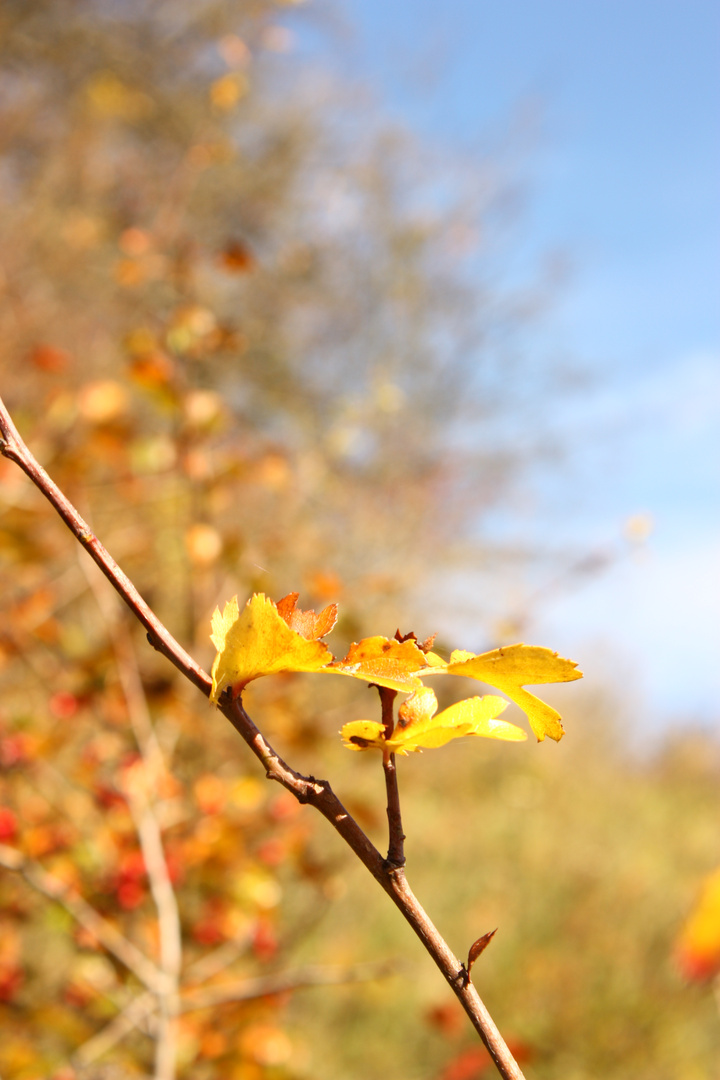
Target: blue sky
<point>624,177</point>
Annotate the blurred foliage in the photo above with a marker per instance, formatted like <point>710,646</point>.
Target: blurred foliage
<point>586,858</point>
<point>281,290</point>
<point>259,342</point>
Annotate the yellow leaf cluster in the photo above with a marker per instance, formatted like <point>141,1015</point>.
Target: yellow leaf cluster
<point>421,727</point>
<point>267,638</point>
<point>393,664</point>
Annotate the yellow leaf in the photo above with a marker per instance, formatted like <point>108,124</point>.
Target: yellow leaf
<point>509,669</point>
<point>418,709</point>
<point>384,662</point>
<point>363,734</point>
<point>256,642</point>
<point>418,728</point>
<point>476,716</point>
<point>458,655</point>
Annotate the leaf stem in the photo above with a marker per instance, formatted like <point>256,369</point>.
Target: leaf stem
<point>396,845</point>
<point>396,849</point>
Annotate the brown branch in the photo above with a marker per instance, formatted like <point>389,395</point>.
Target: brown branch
<point>396,845</point>
<point>306,789</point>
<point>396,849</point>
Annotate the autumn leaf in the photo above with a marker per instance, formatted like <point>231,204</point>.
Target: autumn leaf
<point>237,258</point>
<point>267,638</point>
<point>425,645</point>
<point>258,641</point>
<point>379,660</point>
<point>307,623</point>
<point>421,727</point>
<point>510,669</point>
<point>698,945</point>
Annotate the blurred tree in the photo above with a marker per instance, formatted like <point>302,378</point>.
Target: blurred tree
<point>256,341</point>
<point>182,215</point>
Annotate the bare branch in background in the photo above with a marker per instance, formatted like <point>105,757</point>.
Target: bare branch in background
<point>86,916</point>
<point>141,787</point>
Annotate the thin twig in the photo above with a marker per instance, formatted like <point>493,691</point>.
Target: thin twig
<point>396,849</point>
<point>144,1005</point>
<point>206,967</point>
<point>249,989</point>
<point>305,789</point>
<point>396,846</point>
<point>126,1021</point>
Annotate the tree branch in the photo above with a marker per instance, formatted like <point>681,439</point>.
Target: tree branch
<point>306,789</point>
<point>139,1009</point>
<point>207,997</point>
<point>220,958</point>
